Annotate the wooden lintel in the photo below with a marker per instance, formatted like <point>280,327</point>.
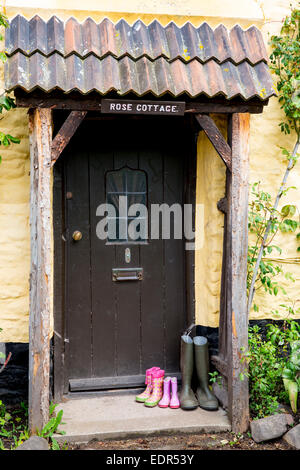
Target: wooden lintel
<point>216,138</point>
<point>89,103</point>
<point>65,133</point>
<point>40,134</point>
<point>225,108</point>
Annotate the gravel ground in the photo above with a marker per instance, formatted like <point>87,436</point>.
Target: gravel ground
<point>220,441</point>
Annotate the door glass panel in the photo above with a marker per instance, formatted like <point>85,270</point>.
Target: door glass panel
<point>132,186</point>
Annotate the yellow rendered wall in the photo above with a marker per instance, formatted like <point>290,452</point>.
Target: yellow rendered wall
<point>265,157</point>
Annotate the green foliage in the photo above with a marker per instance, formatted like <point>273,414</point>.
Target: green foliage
<point>265,220</point>
<point>285,63</point>
<point>215,377</point>
<point>52,427</point>
<point>291,374</point>
<point>268,361</point>
<point>3,22</point>
<point>13,426</point>
<point>265,368</point>
<point>288,339</point>
<point>6,102</point>
<point>262,213</point>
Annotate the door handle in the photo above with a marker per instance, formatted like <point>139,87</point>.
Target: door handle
<point>77,235</point>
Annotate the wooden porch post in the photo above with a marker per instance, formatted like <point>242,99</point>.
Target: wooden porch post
<point>237,226</point>
<point>40,131</point>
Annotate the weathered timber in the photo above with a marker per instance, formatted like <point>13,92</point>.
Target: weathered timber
<point>226,273</point>
<point>216,138</point>
<point>65,133</point>
<point>190,198</point>
<point>229,108</point>
<point>93,103</point>
<point>40,130</point>
<point>237,233</point>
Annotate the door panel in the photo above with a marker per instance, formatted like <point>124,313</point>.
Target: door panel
<point>78,298</point>
<point>118,329</point>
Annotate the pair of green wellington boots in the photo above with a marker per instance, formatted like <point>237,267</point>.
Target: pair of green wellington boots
<point>195,352</point>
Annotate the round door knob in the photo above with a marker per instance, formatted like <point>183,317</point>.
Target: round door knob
<point>77,236</point>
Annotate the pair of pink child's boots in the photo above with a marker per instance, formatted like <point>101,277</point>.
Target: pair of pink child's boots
<point>158,390</point>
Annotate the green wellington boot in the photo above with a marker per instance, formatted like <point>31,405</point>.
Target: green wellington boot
<point>206,398</point>
<point>187,397</point>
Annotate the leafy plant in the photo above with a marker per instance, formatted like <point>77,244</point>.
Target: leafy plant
<point>13,426</point>
<point>265,369</point>
<point>285,64</point>
<point>291,374</point>
<point>6,102</point>
<point>260,212</point>
<point>288,339</point>
<point>52,426</point>
<point>267,362</point>
<point>215,377</point>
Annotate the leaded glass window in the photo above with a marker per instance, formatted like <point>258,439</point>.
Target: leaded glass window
<point>126,191</point>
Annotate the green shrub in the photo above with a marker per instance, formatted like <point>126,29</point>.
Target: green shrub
<point>270,359</point>
<point>266,388</point>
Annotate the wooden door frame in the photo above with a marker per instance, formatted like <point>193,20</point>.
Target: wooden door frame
<point>235,155</point>
<point>60,381</point>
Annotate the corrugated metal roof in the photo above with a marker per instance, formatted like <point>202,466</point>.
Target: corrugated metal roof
<point>140,59</point>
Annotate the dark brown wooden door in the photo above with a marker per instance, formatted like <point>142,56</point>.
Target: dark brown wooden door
<point>116,330</point>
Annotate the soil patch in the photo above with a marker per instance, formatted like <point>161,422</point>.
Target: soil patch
<point>220,441</point>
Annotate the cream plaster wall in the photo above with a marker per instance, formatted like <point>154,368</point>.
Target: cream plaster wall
<point>265,158</point>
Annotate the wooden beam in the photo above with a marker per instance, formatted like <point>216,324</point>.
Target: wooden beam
<point>226,108</point>
<point>65,133</point>
<point>216,138</point>
<point>225,277</point>
<point>237,322</point>
<point>93,103</point>
<point>40,134</point>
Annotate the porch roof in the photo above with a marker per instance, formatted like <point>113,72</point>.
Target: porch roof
<point>85,57</point>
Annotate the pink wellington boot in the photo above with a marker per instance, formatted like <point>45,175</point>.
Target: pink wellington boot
<point>165,401</point>
<point>157,384</point>
<point>174,402</point>
<point>142,397</point>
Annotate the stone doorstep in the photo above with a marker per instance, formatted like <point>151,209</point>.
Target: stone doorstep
<point>120,417</point>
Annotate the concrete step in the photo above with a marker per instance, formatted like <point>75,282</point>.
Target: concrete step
<point>120,417</point>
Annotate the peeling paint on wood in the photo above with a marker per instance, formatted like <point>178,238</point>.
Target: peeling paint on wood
<point>40,229</point>
<point>237,328</point>
<point>233,325</point>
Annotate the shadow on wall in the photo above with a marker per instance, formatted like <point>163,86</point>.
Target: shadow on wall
<point>14,378</point>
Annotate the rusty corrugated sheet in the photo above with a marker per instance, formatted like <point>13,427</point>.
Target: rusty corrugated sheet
<point>140,59</point>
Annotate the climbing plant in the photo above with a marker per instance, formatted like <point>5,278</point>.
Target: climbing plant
<point>265,218</point>
<point>6,102</point>
<point>260,210</point>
